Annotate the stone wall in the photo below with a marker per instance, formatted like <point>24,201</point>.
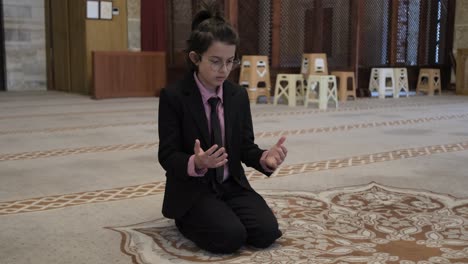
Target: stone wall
<point>134,19</point>
<point>461,25</point>
<point>25,44</point>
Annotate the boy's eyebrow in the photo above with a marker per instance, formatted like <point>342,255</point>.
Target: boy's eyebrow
<point>216,57</point>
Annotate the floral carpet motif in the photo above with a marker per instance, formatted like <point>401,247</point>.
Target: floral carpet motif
<point>361,224</point>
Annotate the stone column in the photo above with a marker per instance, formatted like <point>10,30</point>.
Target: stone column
<point>134,24</point>
<point>461,25</point>
<point>460,34</point>
<point>24,24</point>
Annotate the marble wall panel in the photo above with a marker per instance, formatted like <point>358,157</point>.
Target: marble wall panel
<point>25,44</point>
<point>134,22</point>
<point>461,25</point>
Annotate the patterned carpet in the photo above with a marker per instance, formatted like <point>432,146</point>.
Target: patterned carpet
<point>80,182</point>
<point>360,224</point>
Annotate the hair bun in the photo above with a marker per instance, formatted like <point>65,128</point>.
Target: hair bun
<point>208,10</point>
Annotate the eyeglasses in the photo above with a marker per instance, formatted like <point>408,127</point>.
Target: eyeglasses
<point>217,64</point>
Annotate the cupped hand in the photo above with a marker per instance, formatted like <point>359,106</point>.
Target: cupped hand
<point>211,158</point>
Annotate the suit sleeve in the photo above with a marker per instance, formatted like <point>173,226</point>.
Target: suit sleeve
<point>170,154</point>
<point>250,152</point>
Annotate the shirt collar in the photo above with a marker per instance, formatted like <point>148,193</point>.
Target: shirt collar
<point>206,93</point>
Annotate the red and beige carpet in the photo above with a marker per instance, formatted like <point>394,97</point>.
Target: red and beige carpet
<point>360,224</point>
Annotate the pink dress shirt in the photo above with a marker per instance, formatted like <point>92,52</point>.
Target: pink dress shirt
<point>207,94</point>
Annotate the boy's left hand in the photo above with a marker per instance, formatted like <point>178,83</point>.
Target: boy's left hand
<point>276,154</point>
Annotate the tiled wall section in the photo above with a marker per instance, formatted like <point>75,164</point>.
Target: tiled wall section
<point>25,44</point>
<point>461,25</point>
<point>134,18</point>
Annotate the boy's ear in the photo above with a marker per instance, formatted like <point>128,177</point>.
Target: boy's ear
<point>194,57</point>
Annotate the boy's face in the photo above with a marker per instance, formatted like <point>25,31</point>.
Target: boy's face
<point>215,64</point>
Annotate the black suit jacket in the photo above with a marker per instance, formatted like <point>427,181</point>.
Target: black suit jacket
<point>182,120</point>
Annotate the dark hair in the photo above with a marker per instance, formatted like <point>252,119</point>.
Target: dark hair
<point>208,25</point>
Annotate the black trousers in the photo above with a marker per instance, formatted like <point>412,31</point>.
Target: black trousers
<point>225,220</point>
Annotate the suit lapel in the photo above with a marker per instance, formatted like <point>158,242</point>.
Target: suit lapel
<point>229,110</point>
<point>195,103</point>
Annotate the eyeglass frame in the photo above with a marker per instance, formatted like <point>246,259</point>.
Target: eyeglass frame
<point>217,66</point>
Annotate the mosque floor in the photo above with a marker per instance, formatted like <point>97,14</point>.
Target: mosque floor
<point>373,181</point>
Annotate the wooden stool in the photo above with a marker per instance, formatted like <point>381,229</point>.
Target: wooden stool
<point>382,80</point>
<point>429,81</point>
<point>342,79</point>
<point>322,88</point>
<point>255,71</point>
<point>314,64</point>
<point>401,76</point>
<point>289,86</point>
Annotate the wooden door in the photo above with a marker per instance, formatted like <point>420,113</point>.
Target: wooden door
<point>2,51</point>
<point>59,45</point>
